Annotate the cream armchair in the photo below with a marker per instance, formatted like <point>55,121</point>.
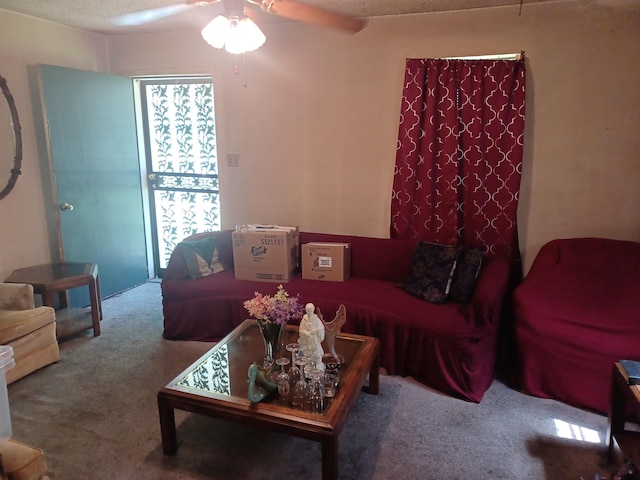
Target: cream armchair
<point>30,330</point>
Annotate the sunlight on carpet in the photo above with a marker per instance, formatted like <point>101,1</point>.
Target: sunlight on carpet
<point>576,432</point>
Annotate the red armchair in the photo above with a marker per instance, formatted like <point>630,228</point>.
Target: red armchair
<point>576,313</point>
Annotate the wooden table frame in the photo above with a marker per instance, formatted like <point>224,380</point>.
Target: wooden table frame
<point>49,279</point>
<point>624,397</point>
<point>323,428</point>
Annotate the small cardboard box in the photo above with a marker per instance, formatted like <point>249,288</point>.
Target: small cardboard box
<point>266,253</point>
<point>326,261</point>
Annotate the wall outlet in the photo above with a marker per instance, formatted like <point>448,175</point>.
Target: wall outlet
<point>233,159</point>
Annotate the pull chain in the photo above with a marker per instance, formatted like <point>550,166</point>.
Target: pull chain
<point>236,70</point>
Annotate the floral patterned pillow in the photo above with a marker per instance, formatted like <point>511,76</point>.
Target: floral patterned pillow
<point>464,278</point>
<point>432,269</point>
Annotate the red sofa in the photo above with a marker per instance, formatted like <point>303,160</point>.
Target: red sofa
<point>576,313</point>
<point>450,347</point>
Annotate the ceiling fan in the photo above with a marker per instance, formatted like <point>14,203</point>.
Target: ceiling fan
<point>292,9</point>
<point>240,13</point>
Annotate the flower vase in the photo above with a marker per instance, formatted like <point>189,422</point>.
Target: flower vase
<point>271,333</point>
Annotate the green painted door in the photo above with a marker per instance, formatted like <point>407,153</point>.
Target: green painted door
<point>93,155</point>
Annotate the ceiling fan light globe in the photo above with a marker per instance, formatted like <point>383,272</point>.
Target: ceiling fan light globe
<point>216,32</point>
<point>243,36</point>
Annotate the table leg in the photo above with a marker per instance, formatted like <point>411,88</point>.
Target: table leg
<point>63,299</point>
<point>374,377</point>
<point>167,426</point>
<point>95,308</point>
<point>3,474</point>
<point>47,299</point>
<point>99,296</point>
<point>617,412</point>
<point>330,458</point>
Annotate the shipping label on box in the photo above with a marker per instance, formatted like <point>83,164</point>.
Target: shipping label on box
<point>266,253</point>
<point>326,261</point>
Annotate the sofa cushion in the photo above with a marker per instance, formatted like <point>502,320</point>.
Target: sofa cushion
<point>34,351</point>
<point>16,324</point>
<point>432,269</point>
<point>201,257</point>
<point>16,296</point>
<point>464,278</point>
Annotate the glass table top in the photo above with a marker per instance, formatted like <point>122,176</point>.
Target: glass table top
<point>52,272</point>
<point>224,369</point>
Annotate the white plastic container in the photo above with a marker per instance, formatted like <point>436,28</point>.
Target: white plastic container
<point>6,362</point>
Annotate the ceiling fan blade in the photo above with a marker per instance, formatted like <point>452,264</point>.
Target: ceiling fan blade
<point>252,14</point>
<point>151,15</point>
<point>304,12</point>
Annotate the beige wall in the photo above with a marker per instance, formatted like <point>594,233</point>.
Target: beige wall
<point>25,42</point>
<point>316,123</point>
<point>314,113</point>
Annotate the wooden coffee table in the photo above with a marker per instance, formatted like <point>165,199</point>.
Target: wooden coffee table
<point>222,391</point>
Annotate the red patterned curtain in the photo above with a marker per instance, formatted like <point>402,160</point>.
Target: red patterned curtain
<point>459,154</point>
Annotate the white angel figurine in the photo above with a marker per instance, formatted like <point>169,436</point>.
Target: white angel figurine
<point>311,336</point>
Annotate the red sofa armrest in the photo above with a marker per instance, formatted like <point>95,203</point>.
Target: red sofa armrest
<point>491,288</point>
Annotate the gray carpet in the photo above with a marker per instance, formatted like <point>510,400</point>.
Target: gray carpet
<point>94,414</point>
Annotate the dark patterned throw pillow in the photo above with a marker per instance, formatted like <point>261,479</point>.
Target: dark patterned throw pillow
<point>464,278</point>
<point>432,268</point>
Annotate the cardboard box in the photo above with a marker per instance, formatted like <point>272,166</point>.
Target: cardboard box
<point>326,261</point>
<point>266,253</point>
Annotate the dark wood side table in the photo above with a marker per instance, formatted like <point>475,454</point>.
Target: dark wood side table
<point>56,278</point>
<point>625,399</point>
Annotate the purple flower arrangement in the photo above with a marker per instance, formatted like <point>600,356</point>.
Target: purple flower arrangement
<point>277,309</point>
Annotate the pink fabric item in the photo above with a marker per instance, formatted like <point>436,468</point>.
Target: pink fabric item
<point>576,313</point>
<point>450,347</point>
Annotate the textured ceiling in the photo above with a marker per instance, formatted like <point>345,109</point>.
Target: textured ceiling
<point>98,15</point>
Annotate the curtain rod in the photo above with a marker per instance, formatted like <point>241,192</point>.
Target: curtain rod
<point>498,56</point>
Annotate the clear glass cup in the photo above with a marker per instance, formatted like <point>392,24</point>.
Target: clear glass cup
<point>282,378</point>
<point>331,363</point>
<point>316,391</point>
<point>330,381</point>
<point>294,371</point>
<point>301,389</point>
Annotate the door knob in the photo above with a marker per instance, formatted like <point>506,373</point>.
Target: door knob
<point>66,207</point>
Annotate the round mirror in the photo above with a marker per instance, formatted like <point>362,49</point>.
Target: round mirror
<point>10,140</point>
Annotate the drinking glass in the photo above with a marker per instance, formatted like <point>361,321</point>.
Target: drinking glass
<point>316,391</point>
<point>282,378</point>
<point>294,372</point>
<point>330,381</point>
<point>300,396</point>
<point>331,363</point>
<point>332,367</point>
